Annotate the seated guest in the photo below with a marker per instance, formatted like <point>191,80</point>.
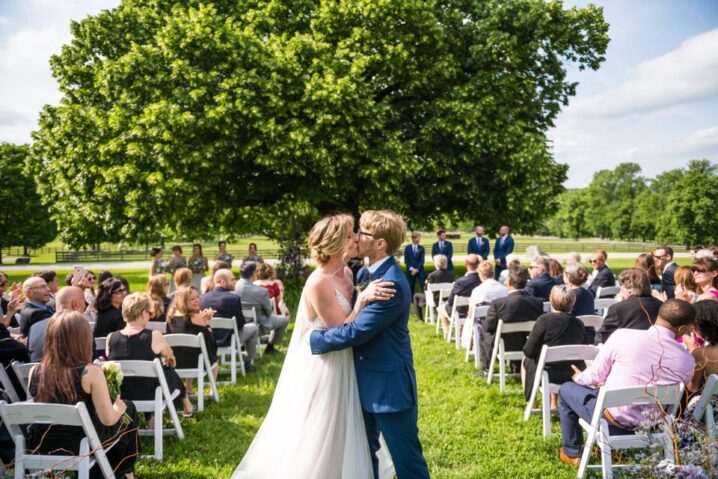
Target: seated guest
<point>706,356</point>
<point>602,275</point>
<point>511,260</point>
<point>574,277</point>
<point>11,305</point>
<point>666,267</point>
<point>489,289</point>
<point>637,310</point>
<point>103,276</point>
<point>267,279</point>
<point>705,273</point>
<point>629,358</point>
<point>226,304</point>
<point>12,350</point>
<point>181,279</point>
<point>185,317</point>
<point>541,283</point>
<point>108,304</point>
<point>69,298</point>
<point>257,297</point>
<point>685,287</point>
<point>440,275</point>
<point>207,283</point>
<point>36,309</point>
<point>136,342</point>
<point>66,375</point>
<point>157,289</point>
<point>572,258</point>
<point>50,278</point>
<point>646,263</point>
<point>462,287</point>
<point>517,307</point>
<point>557,328</point>
<point>555,270</point>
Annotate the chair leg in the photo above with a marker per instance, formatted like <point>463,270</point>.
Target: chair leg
<point>200,389</point>
<point>494,353</point>
<point>606,461</point>
<point>83,468</point>
<point>586,455</point>
<point>502,368</point>
<point>158,424</point>
<point>233,361</point>
<point>174,416</point>
<point>546,408</point>
<point>19,454</point>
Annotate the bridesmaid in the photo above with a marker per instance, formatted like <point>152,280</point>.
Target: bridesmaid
<point>198,264</point>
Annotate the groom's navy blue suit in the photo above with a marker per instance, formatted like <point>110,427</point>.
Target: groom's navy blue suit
<point>385,371</point>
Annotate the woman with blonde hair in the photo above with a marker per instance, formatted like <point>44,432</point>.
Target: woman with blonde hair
<point>157,288</point>
<point>312,388</point>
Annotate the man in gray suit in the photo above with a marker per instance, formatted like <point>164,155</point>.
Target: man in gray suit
<point>253,295</point>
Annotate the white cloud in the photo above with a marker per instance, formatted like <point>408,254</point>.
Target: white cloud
<point>685,74</point>
<point>4,20</point>
<point>700,143</point>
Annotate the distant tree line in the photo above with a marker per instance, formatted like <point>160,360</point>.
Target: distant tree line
<point>677,206</point>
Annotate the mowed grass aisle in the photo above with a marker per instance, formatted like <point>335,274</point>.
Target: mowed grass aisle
<point>468,429</point>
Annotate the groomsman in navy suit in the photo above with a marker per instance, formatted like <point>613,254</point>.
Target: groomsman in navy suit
<point>479,245</point>
<point>443,247</point>
<point>414,259</point>
<point>503,247</point>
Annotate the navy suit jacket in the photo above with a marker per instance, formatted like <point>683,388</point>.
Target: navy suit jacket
<point>462,287</point>
<point>668,282</point>
<point>379,335</point>
<point>415,260</point>
<point>482,250</point>
<point>502,250</point>
<point>227,304</point>
<point>604,277</point>
<point>447,251</point>
<point>540,286</point>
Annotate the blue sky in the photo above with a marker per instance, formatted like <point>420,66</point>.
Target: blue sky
<point>653,102</point>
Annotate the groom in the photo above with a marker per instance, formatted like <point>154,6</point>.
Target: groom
<point>382,349</point>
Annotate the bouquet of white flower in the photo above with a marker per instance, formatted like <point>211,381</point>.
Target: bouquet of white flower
<point>113,376</point>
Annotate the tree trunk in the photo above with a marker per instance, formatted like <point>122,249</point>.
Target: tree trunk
<point>24,250</point>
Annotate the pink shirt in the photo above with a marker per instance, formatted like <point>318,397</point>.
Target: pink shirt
<point>633,357</point>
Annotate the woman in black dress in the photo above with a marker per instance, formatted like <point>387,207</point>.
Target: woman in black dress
<point>184,317</point>
<point>109,299</point>
<point>66,375</point>
<point>135,342</point>
<point>557,328</point>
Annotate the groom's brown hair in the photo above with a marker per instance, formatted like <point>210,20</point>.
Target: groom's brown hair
<point>386,225</point>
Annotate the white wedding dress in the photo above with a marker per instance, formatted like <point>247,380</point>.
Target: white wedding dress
<point>314,427</point>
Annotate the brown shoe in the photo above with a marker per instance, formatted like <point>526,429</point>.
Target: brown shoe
<point>571,461</point>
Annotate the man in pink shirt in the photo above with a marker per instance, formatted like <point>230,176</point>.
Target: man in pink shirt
<point>630,357</point>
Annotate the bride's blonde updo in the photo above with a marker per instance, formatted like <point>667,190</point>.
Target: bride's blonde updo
<point>328,236</point>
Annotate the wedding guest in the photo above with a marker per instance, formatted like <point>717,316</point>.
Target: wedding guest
<point>512,260</point>
<point>157,289</point>
<point>66,375</point>
<point>685,287</point>
<point>222,255</point>
<point>574,276</point>
<point>646,263</point>
<point>198,264</point>
<point>489,289</point>
<point>69,298</point>
<point>158,265</point>
<point>602,275</point>
<point>36,309</point>
<point>108,303</point>
<point>666,267</point>
<point>12,350</point>
<point>207,283</point>
<point>182,278</point>
<point>541,282</point>
<point>706,356</point>
<point>176,262</point>
<point>185,317</point>
<point>695,249</point>
<point>572,258</point>
<point>630,357</point>
<point>462,287</point>
<point>103,276</point>
<point>50,278</point>
<point>555,270</point>
<point>705,273</point>
<point>252,254</point>
<point>557,328</point>
<point>267,279</point>
<point>440,275</point>
<point>136,342</point>
<point>638,308</point>
<point>12,304</point>
<point>89,280</point>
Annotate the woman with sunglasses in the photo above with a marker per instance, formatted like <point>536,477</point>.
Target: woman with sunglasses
<point>705,274</point>
<point>108,303</point>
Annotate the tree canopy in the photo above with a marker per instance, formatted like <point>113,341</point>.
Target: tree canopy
<point>195,118</point>
<point>24,220</point>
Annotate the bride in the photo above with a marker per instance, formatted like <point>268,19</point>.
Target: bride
<point>314,427</point>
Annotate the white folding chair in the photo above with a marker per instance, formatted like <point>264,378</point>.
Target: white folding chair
<point>500,352</point>
<point>455,319</point>
<point>578,352</point>
<point>203,365</point>
<point>22,371</point>
<point>101,345</point>
<point>430,308</point>
<point>7,385</point>
<point>14,416</point>
<point>469,338</point>
<point>601,305</point>
<point>704,410</point>
<point>594,321</point>
<point>162,401</point>
<point>607,291</point>
<point>250,316</point>
<point>234,350</point>
<point>160,326</point>
<point>14,331</point>
<point>444,294</point>
<point>667,396</point>
<point>547,306</point>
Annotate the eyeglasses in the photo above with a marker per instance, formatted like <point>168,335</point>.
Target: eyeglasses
<point>365,233</point>
<point>38,287</point>
<point>121,290</point>
<point>90,278</point>
<point>534,266</point>
<point>594,261</point>
<point>699,270</point>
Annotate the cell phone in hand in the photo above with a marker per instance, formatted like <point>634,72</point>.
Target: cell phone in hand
<point>77,274</point>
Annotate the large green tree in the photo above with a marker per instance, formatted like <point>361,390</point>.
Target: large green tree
<point>187,117</point>
<point>24,220</point>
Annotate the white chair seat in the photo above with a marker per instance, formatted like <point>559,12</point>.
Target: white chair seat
<point>204,368</point>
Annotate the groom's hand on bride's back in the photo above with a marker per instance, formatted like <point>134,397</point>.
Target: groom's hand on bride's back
<point>377,290</point>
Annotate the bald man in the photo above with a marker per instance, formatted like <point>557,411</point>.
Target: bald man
<point>228,305</point>
<point>36,308</point>
<point>69,298</point>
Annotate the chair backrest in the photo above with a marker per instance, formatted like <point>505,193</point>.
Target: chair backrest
<point>439,286</point>
<point>459,301</point>
<point>666,395</point>
<point>573,352</point>
<point>607,291</point>
<point>547,306</point>
<point>444,294</point>
<point>592,320</point>
<point>22,371</point>
<point>250,314</point>
<point>14,331</point>
<point>139,369</point>
<point>101,344</point>
<point>603,303</point>
<point>480,312</point>
<point>229,324</point>
<point>7,385</point>
<point>160,326</point>
<point>710,389</point>
<point>183,340</point>
<point>522,327</point>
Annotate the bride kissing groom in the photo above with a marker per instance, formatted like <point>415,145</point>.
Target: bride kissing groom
<point>348,375</point>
